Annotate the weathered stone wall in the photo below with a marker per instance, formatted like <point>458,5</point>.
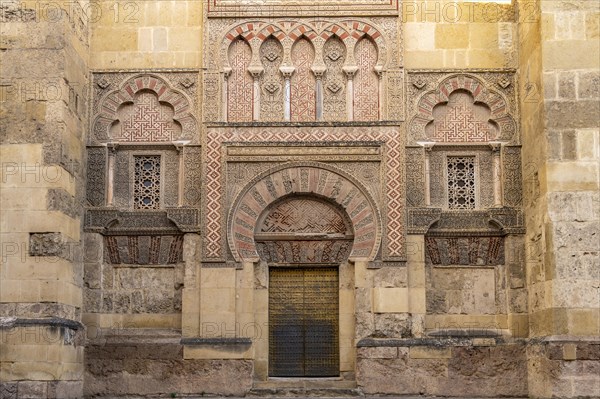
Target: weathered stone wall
<point>43,118</point>
<point>476,367</point>
<point>461,34</point>
<point>147,34</point>
<point>153,364</point>
<point>198,324</point>
<point>560,110</point>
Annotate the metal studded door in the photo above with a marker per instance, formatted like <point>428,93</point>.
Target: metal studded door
<point>303,322</point>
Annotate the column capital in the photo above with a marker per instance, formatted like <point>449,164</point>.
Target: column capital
<point>287,71</point>
<point>256,71</point>
<point>427,145</point>
<point>350,71</point>
<point>319,71</point>
<point>496,146</point>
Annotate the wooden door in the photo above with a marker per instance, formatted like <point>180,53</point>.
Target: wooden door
<point>304,322</point>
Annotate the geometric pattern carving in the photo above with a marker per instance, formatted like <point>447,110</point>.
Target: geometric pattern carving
<point>145,121</point>
<point>366,82</point>
<point>460,121</point>
<point>140,222</point>
<point>468,223</point>
<point>334,81</point>
<point>438,173</point>
<point>317,32</point>
<point>96,176</point>
<point>464,251</point>
<point>298,251</point>
<point>236,8</point>
<point>146,188</point>
<point>415,177</point>
<point>192,175</point>
<point>461,182</point>
<point>239,82</point>
<point>122,180</point>
<point>310,179</point>
<point>171,175</point>
<point>211,91</point>
<point>394,178</point>
<point>512,184</point>
<point>144,108</point>
<point>144,250</point>
<point>419,219</point>
<point>442,118</point>
<point>303,82</point>
<point>304,215</point>
<point>271,82</point>
<point>394,86</point>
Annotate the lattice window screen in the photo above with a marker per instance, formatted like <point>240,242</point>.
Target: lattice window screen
<point>461,182</point>
<point>146,191</point>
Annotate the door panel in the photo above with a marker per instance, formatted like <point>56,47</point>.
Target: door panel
<point>303,322</point>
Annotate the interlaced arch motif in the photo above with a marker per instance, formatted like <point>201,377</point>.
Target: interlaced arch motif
<point>462,109</point>
<point>141,105</point>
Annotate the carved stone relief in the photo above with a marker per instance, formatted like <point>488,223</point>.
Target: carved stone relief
<point>274,54</point>
<point>272,83</point>
<point>302,97</point>
<point>144,107</point>
<point>366,82</point>
<point>415,176</point>
<point>239,82</point>
<point>143,250</point>
<point>192,186</point>
<point>96,176</point>
<point>482,179</point>
<point>511,172</point>
<point>392,176</point>
<point>462,107</point>
<point>334,81</point>
<point>313,179</point>
<point>304,230</point>
<point>463,251</point>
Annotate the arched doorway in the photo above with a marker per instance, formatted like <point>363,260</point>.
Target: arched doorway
<point>253,227</point>
<point>304,239</point>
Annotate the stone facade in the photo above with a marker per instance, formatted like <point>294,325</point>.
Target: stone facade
<point>187,185</point>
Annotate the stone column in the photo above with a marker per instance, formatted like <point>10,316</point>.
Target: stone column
<point>225,94</point>
<point>112,153</point>
<point>181,177</point>
<point>561,160</point>
<point>319,91</point>
<point>350,71</point>
<point>497,174</point>
<point>379,71</point>
<point>415,262</point>
<point>426,165</point>
<point>256,73</point>
<point>190,298</point>
<point>41,217</point>
<point>287,73</point>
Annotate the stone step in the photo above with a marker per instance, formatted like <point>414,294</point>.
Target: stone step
<point>305,393</point>
<point>305,387</point>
